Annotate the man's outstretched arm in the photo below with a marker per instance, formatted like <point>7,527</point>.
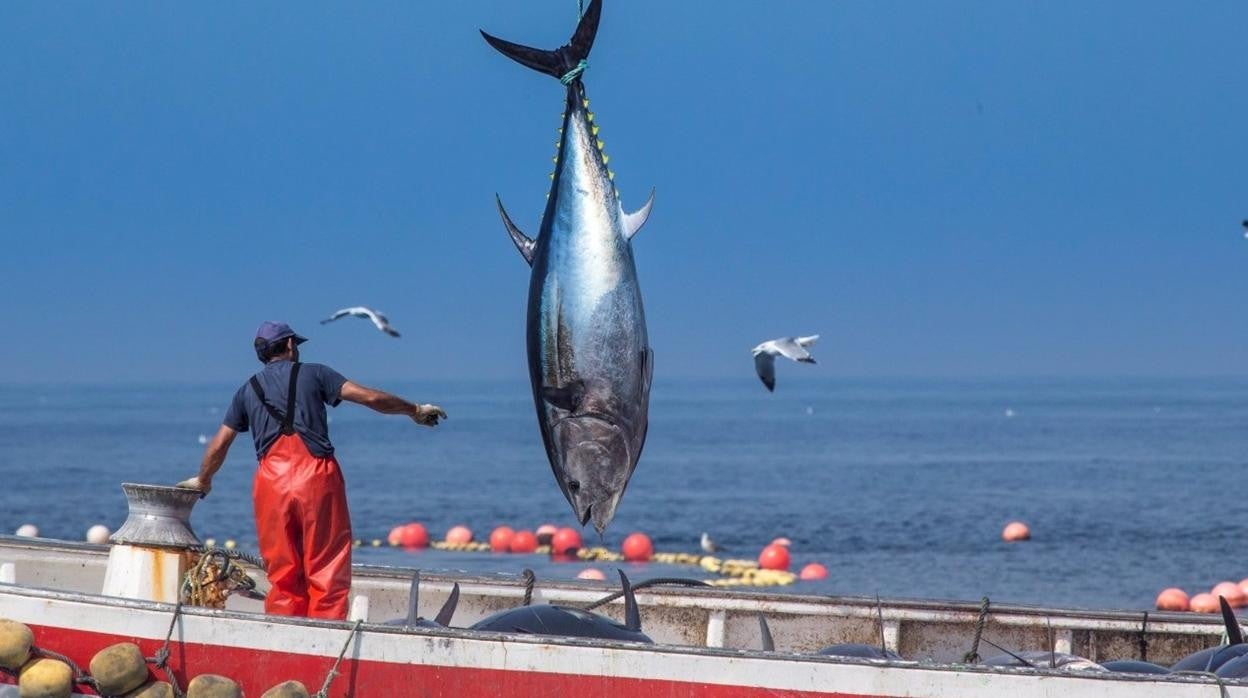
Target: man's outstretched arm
<point>214,456</point>
<point>385,403</point>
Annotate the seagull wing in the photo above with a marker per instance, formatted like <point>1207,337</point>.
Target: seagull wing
<point>382,322</point>
<point>808,342</point>
<point>791,349</point>
<point>341,313</point>
<point>378,320</point>
<point>765,364</point>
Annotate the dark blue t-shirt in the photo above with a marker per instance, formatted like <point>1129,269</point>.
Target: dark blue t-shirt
<point>318,386</point>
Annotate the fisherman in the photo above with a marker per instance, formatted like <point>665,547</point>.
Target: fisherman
<point>299,496</point>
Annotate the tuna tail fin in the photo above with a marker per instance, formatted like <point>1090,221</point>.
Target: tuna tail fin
<point>562,60</point>
<point>632,615</point>
<point>448,609</point>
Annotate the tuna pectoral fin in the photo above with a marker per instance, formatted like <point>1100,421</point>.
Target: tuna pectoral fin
<point>561,61</point>
<point>633,221</point>
<point>524,243</point>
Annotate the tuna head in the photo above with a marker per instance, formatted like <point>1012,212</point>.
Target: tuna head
<point>591,454</point>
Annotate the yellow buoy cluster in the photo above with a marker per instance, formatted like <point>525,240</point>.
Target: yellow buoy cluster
<point>117,670</point>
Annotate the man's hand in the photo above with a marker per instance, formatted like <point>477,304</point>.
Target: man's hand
<point>203,484</point>
<point>427,415</point>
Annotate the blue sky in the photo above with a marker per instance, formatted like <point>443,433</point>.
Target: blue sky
<point>956,188</point>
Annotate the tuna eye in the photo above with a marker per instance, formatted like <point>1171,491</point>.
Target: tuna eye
<point>574,486</point>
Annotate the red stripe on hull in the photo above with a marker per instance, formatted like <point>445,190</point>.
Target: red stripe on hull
<point>257,671</point>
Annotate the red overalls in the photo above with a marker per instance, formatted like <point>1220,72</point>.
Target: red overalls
<point>303,523</point>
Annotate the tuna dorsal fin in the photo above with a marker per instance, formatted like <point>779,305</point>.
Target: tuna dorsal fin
<point>633,221</point>
<point>413,599</point>
<point>524,243</point>
<point>562,60</point>
<point>769,645</point>
<point>1234,635</point>
<point>632,616</point>
<point>448,608</point>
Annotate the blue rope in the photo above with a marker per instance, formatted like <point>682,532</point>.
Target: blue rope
<point>575,72</point>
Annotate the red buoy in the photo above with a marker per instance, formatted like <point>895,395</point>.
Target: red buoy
<point>1173,599</point>
<point>774,557</point>
<point>591,573</point>
<point>459,535</point>
<point>523,542</point>
<point>414,535</point>
<point>566,541</point>
<point>395,537</point>
<point>1234,595</point>
<point>1015,531</point>
<point>781,541</point>
<point>1205,603</point>
<point>500,539</point>
<point>1243,584</point>
<point>637,548</point>
<point>545,532</point>
<point>813,571</point>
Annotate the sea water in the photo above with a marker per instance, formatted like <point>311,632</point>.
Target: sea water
<point>900,487</point>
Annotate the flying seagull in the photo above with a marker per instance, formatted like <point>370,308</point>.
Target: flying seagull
<point>790,347</point>
<point>360,311</point>
<point>1245,224</point>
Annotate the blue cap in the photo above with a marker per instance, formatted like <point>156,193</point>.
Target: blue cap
<point>271,331</point>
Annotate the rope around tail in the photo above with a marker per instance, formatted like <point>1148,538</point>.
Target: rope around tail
<point>575,73</point>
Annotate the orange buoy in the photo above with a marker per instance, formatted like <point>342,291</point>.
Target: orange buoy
<point>781,541</point>
<point>1173,599</point>
<point>592,573</point>
<point>500,539</point>
<point>523,542</point>
<point>1234,595</point>
<point>813,571</point>
<point>395,537</point>
<point>1015,531</point>
<point>566,541</point>
<point>1243,584</point>
<point>1205,603</point>
<point>774,557</point>
<point>459,535</point>
<point>637,548</point>
<point>414,535</point>
<point>545,532</point>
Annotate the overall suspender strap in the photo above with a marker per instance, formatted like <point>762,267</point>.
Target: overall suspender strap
<point>288,424</point>
<point>287,420</point>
